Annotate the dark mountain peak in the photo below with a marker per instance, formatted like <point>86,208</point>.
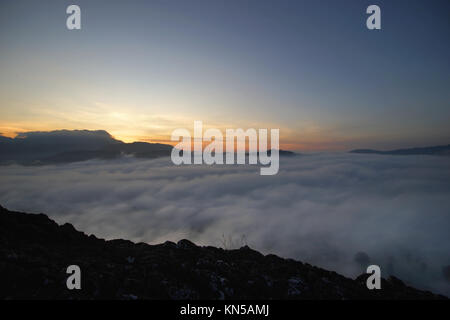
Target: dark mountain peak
<point>63,140</point>
<point>35,253</point>
<point>63,146</point>
<point>64,133</point>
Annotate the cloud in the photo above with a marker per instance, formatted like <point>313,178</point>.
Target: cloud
<point>338,211</point>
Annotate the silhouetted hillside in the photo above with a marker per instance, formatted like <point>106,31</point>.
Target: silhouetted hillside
<point>35,252</point>
<point>64,146</point>
<point>437,150</point>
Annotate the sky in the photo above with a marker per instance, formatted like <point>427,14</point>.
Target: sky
<point>140,69</point>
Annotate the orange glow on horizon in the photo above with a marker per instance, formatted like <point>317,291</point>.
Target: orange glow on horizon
<point>155,133</point>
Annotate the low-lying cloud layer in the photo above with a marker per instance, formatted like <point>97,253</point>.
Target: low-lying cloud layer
<point>338,211</point>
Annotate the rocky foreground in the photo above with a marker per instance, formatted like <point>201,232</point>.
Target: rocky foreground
<point>35,252</point>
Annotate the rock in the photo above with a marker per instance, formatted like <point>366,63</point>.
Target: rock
<point>35,253</point>
<point>186,244</point>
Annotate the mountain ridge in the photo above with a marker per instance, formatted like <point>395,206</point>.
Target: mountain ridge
<point>443,150</point>
<point>35,252</point>
<point>64,146</point>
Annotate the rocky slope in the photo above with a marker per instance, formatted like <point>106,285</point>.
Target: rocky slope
<point>35,252</point>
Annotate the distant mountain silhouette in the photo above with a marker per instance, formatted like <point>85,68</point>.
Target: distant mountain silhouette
<point>283,153</point>
<point>35,252</point>
<point>436,150</point>
<point>63,146</point>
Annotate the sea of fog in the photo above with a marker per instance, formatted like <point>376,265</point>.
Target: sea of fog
<point>338,211</point>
